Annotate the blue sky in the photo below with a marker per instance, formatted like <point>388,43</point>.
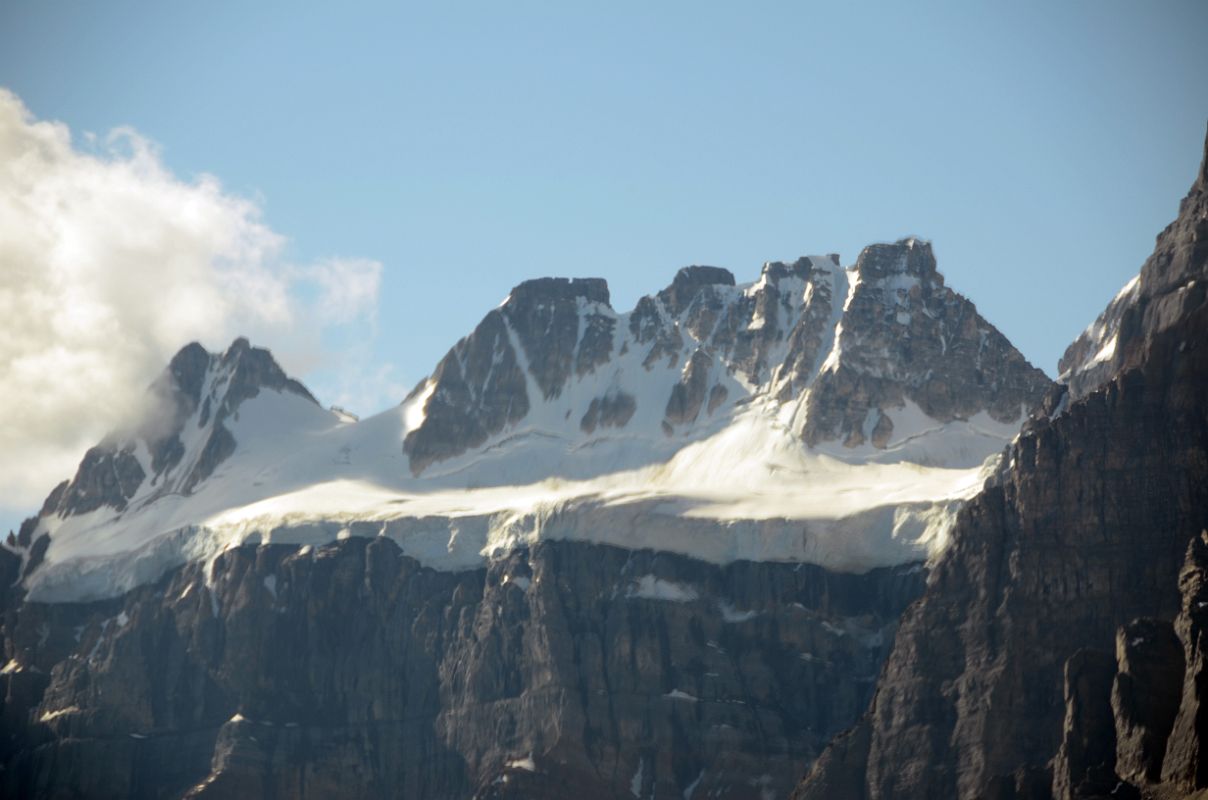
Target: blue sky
<point>467,147</point>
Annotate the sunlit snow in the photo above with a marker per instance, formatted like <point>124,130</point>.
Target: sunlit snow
<point>737,484</point>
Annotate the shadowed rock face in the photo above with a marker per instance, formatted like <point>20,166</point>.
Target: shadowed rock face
<point>106,477</point>
<point>612,410</point>
<point>479,388</point>
<point>1088,734</point>
<point>350,671</point>
<point>545,313</point>
<point>1185,762</point>
<point>688,395</point>
<point>1081,533</point>
<point>548,329</point>
<point>1145,696</point>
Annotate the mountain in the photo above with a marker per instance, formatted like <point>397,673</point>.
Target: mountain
<point>861,402</point>
<point>653,553</point>
<point>869,344</point>
<point>1058,649</point>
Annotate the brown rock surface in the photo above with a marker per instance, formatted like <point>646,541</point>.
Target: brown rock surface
<point>1186,760</point>
<point>1145,696</point>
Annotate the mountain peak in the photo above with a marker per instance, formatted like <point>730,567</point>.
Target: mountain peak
<point>187,369</point>
<point>688,283</point>
<point>700,275</point>
<point>594,290</point>
<point>912,257</point>
<point>253,369</point>
<point>181,442</point>
<point>774,271</point>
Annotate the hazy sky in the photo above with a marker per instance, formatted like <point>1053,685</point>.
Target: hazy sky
<point>432,157</point>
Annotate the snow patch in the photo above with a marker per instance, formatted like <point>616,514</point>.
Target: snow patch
<point>844,284</point>
<point>691,788</point>
<point>525,763</point>
<point>47,716</point>
<point>520,581</point>
<point>730,614</point>
<point>648,587</point>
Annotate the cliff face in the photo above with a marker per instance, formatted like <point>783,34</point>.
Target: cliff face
<point>1002,681</point>
<point>350,671</point>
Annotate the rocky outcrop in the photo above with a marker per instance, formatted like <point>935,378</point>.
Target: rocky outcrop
<point>545,315</point>
<point>689,393</point>
<point>612,410</point>
<point>1185,764</point>
<point>905,336</point>
<point>107,476</point>
<point>1131,747</point>
<point>549,329</point>
<point>689,284</point>
<point>1145,696</point>
<point>1086,760</point>
<point>476,390</point>
<point>350,671</point>
<point>1082,532</point>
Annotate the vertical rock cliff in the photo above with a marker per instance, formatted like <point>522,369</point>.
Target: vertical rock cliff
<point>349,670</point>
<point>1041,661</point>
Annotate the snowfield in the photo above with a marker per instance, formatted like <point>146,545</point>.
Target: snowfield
<point>751,490</point>
<point>736,484</point>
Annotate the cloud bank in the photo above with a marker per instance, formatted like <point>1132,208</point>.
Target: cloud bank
<point>109,264</point>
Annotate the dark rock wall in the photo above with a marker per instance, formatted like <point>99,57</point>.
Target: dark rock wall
<point>1084,534</point>
<point>350,671</point>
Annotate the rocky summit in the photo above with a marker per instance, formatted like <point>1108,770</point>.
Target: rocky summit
<point>842,351</point>
<point>825,523</point>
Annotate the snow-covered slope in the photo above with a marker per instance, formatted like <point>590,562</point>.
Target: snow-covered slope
<point>821,414</point>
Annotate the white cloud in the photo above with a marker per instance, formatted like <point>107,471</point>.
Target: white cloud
<point>109,264</point>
